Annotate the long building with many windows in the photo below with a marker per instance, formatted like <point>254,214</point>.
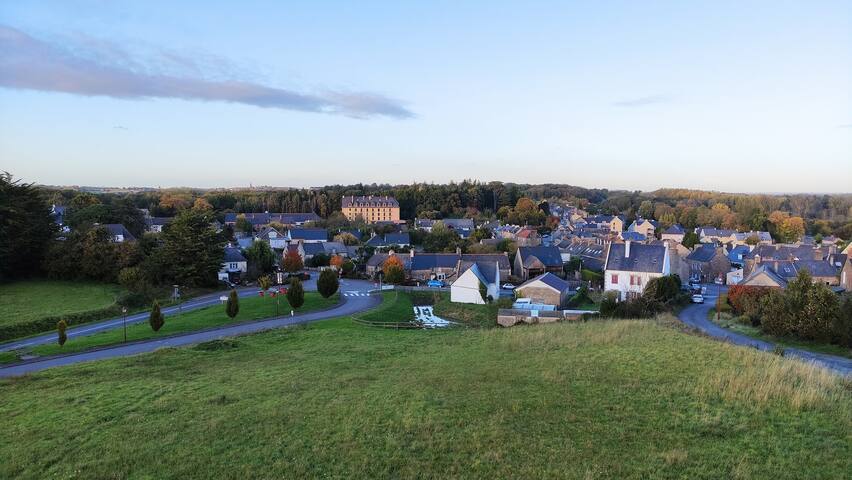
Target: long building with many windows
<point>371,208</point>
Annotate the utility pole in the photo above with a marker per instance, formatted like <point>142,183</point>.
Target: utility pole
<point>124,313</point>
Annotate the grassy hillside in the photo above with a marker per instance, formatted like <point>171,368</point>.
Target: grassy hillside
<point>622,399</point>
<point>24,301</point>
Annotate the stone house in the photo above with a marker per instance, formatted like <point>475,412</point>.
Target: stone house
<point>547,289</point>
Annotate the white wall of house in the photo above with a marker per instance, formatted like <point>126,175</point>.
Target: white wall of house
<point>627,282</point>
<point>734,277</point>
<point>466,288</point>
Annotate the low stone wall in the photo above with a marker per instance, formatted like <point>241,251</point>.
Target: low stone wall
<point>507,317</point>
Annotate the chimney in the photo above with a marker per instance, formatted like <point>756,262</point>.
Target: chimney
<point>458,250</point>
<point>757,259</point>
<point>627,249</point>
<point>411,253</point>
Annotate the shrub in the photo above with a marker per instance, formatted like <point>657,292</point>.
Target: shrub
<point>156,318</point>
<point>394,274</point>
<point>232,306</point>
<point>295,293</point>
<point>581,297</point>
<point>664,290</point>
<point>61,326</point>
<point>327,284</point>
<point>46,324</point>
<point>347,267</point>
<point>745,300</point>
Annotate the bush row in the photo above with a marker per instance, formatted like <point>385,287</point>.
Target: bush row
<point>46,324</point>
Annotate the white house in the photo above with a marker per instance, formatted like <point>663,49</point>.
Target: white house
<point>234,265</point>
<point>466,287</point>
<point>630,266</point>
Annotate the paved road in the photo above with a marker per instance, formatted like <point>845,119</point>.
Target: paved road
<point>192,304</point>
<point>353,301</point>
<point>696,316</point>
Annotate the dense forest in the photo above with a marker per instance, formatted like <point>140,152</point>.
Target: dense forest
<point>820,214</point>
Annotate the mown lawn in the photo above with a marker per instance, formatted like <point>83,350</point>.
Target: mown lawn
<point>24,301</point>
<point>396,307</point>
<point>251,308</point>
<point>467,313</point>
<point>607,399</point>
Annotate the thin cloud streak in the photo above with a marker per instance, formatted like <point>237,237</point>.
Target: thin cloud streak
<point>643,101</point>
<point>31,64</point>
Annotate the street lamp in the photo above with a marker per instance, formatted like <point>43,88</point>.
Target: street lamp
<point>124,313</point>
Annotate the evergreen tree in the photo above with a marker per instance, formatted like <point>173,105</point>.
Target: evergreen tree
<point>26,227</point>
<point>232,306</point>
<point>61,326</point>
<point>192,250</point>
<point>295,293</point>
<point>327,284</point>
<point>156,319</point>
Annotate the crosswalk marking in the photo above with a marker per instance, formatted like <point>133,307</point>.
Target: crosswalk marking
<point>356,294</point>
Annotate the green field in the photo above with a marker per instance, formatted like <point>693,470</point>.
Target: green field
<point>601,399</point>
<point>467,313</point>
<point>25,301</point>
<point>396,307</point>
<point>251,308</point>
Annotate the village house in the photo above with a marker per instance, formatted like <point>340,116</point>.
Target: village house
<point>371,209</point>
<point>156,224</point>
<point>846,273</point>
<point>629,267</point>
<point>260,220</point>
<point>715,235</point>
<point>465,289</point>
<point>708,262</point>
<point>527,237</point>
<point>643,226</point>
<point>674,233</point>
<point>545,289</point>
<point>397,240</point>
<point>533,261</point>
<point>768,273</point>
<point>613,223</point>
<point>234,265</point>
<point>307,235</point>
<point>118,233</point>
<point>273,237</point>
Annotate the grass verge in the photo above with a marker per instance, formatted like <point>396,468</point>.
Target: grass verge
<point>608,399</point>
<point>396,307</point>
<point>251,308</point>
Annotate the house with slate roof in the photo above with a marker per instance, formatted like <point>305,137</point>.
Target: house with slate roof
<point>119,233</point>
<point>644,226</point>
<point>715,235</point>
<point>465,289</point>
<point>371,208</point>
<point>674,233</point>
<point>260,220</point>
<point>633,236</point>
<point>845,271</point>
<point>156,224</point>
<point>630,266</point>
<point>708,262</point>
<point>234,265</point>
<point>533,261</point>
<point>307,235</point>
<point>613,223</point>
<point>546,289</point>
<point>376,262</point>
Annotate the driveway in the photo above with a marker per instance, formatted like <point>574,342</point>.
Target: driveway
<point>696,315</point>
<point>189,305</point>
<point>353,301</point>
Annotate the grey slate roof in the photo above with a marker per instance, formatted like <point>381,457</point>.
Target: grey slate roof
<point>643,258</point>
<point>428,261</point>
<point>233,254</point>
<point>369,201</point>
<point>702,253</point>
<point>485,271</point>
<point>550,280</point>
<point>313,248</point>
<point>308,234</point>
<point>738,253</point>
<point>549,256</point>
<point>264,218</point>
<point>633,236</point>
<point>378,260</point>
<point>500,259</point>
<point>675,230</point>
<point>398,238</point>
<point>119,229</point>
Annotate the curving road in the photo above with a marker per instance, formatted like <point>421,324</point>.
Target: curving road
<point>352,301</point>
<point>696,316</point>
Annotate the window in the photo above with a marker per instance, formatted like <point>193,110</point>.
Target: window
<point>614,279</point>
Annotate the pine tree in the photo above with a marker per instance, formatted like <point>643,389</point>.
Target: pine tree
<point>295,294</point>
<point>327,283</point>
<point>232,307</point>
<point>156,318</point>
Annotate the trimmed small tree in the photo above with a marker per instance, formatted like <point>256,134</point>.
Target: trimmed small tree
<point>292,262</point>
<point>327,284</point>
<point>295,293</point>
<point>61,326</point>
<point>156,318</point>
<point>264,282</point>
<point>232,306</point>
<point>483,292</point>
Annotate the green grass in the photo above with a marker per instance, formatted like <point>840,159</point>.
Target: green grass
<point>467,313</point>
<point>25,301</point>
<point>396,307</point>
<point>609,399</point>
<point>251,308</point>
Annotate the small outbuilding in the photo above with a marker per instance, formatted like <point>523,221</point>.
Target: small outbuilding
<point>547,289</point>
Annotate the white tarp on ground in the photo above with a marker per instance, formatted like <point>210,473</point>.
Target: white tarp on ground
<point>428,318</point>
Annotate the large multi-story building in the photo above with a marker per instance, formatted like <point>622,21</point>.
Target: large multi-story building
<point>371,208</point>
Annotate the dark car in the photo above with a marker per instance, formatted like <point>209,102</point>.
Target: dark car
<point>300,275</point>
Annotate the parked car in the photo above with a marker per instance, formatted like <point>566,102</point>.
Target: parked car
<point>300,275</point>
<point>508,286</point>
<point>698,298</point>
<point>434,284</point>
<point>228,283</point>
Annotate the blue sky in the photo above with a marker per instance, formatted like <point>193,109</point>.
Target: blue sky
<point>635,95</point>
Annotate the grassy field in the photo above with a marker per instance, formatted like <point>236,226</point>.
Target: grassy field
<point>608,399</point>
<point>468,313</point>
<point>251,308</point>
<point>396,307</point>
<point>24,301</point>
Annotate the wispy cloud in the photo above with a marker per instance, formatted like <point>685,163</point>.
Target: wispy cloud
<point>848,125</point>
<point>643,101</point>
<point>96,67</point>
